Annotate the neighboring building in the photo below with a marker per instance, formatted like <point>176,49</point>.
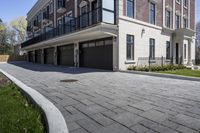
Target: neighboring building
<point>111,34</point>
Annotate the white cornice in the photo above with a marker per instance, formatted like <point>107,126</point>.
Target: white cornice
<point>39,5</point>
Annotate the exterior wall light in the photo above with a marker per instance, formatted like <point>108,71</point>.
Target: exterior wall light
<point>143,31</point>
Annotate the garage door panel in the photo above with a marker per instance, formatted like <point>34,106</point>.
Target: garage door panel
<point>66,55</point>
<point>38,56</point>
<point>30,56</point>
<point>49,56</point>
<point>98,56</point>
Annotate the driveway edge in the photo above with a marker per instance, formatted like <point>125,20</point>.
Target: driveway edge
<point>54,118</point>
<point>162,75</point>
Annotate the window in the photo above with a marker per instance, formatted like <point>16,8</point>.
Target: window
<point>130,47</point>
<point>167,50</point>
<point>108,11</point>
<point>185,22</point>
<point>168,19</point>
<point>185,48</point>
<point>130,8</point>
<point>152,48</point>
<point>51,8</point>
<point>185,3</point>
<point>40,17</point>
<point>177,21</point>
<point>152,13</point>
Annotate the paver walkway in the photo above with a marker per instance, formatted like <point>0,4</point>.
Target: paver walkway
<point>113,102</point>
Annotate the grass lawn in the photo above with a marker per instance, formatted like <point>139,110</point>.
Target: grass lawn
<point>184,72</point>
<point>16,114</point>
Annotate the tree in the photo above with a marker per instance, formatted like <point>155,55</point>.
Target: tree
<point>19,25</point>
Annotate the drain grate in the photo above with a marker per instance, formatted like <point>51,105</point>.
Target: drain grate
<point>68,80</point>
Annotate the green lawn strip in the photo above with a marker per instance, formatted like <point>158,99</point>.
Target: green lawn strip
<point>16,114</point>
<point>183,72</point>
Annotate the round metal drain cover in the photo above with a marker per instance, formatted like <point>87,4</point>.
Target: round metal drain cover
<point>68,80</point>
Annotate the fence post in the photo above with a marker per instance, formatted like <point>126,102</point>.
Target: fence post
<point>162,61</point>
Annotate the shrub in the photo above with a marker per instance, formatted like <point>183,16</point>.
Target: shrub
<point>157,68</point>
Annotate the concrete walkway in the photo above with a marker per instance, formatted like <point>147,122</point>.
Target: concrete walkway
<point>113,102</point>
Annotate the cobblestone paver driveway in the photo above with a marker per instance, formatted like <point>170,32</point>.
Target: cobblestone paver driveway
<point>114,102</point>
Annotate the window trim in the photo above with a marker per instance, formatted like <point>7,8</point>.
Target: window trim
<point>154,49</point>
<point>170,19</point>
<point>154,13</point>
<point>134,9</point>
<point>168,55</point>
<point>176,26</point>
<point>132,49</point>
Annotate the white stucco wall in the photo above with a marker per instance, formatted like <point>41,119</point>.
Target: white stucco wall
<point>130,26</point>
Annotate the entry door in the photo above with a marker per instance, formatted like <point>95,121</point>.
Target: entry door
<point>177,53</point>
<point>94,12</point>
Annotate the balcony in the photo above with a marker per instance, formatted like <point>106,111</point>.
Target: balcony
<point>89,20</point>
<point>61,6</point>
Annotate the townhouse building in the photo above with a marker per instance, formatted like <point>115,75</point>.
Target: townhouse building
<point>111,34</point>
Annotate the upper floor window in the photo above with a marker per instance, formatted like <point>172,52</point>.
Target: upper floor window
<point>152,13</point>
<point>130,47</point>
<point>40,17</point>
<point>168,19</point>
<point>185,22</point>
<point>51,8</point>
<point>177,21</point>
<point>130,8</point>
<point>185,3</point>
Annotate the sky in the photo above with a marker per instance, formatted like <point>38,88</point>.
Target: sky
<point>11,9</point>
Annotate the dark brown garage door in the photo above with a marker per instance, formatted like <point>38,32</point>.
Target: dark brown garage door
<point>97,54</point>
<point>66,55</point>
<point>38,56</point>
<point>30,56</point>
<point>49,56</point>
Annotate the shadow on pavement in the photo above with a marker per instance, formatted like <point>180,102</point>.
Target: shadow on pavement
<point>52,68</point>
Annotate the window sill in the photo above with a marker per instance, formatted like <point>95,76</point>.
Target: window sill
<point>130,62</point>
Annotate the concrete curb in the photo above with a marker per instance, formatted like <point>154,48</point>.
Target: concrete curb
<point>163,75</point>
<point>55,120</point>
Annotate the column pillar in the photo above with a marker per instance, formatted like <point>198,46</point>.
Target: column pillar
<point>55,56</point>
<point>76,54</point>
<point>42,57</point>
<point>33,56</point>
<point>163,13</point>
<point>115,54</point>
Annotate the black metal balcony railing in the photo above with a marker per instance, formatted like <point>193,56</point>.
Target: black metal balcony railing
<point>71,25</point>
